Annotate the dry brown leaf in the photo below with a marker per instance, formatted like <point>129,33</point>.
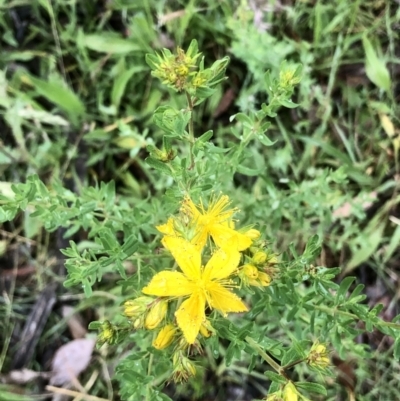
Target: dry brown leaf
<point>227,99</point>
<point>70,360</point>
<point>387,125</point>
<point>163,19</point>
<point>24,376</point>
<point>74,322</point>
<point>346,209</point>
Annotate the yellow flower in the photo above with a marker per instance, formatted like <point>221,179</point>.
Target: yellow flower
<point>175,227</point>
<point>215,221</point>
<point>164,337</point>
<point>156,315</point>
<point>203,285</point>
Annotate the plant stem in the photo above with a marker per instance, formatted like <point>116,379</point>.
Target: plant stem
<point>266,357</point>
<point>191,129</point>
<point>333,311</point>
<point>149,367</point>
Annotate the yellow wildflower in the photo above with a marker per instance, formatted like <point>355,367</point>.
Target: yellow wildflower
<point>203,285</point>
<point>164,337</point>
<point>215,221</point>
<point>177,227</point>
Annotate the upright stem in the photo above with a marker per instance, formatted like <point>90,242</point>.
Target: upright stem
<point>149,367</point>
<point>191,129</point>
<point>266,357</point>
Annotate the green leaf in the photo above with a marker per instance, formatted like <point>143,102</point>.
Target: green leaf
<point>120,83</point>
<point>108,43</point>
<point>397,349</point>
<point>248,171</point>
<point>274,377</point>
<point>265,140</point>
<point>288,103</point>
<point>312,387</point>
<point>158,165</point>
<point>371,240</point>
<point>59,94</point>
<point>344,287</point>
<point>375,67</point>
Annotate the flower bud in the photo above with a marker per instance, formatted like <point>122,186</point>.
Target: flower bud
<point>156,314</point>
<point>264,279</point>
<point>259,258</point>
<point>107,333</point>
<point>290,392</point>
<point>318,356</point>
<point>250,271</point>
<point>206,329</point>
<point>277,396</point>
<point>138,323</point>
<point>164,337</point>
<point>253,234</point>
<point>183,367</point>
<point>136,307</point>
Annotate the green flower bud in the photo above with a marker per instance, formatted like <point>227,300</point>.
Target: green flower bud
<point>136,307</point>
<point>259,258</point>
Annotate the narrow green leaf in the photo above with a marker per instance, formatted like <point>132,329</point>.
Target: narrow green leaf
<point>248,171</point>
<point>158,165</point>
<point>120,83</point>
<point>312,387</point>
<point>368,247</point>
<point>288,103</point>
<point>344,287</point>
<point>59,94</point>
<point>108,43</point>
<point>397,349</point>
<point>275,377</point>
<point>375,67</point>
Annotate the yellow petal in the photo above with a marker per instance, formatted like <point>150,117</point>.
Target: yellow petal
<point>201,236</point>
<point>224,300</point>
<point>190,209</point>
<point>167,228</point>
<point>217,209</point>
<point>190,316</point>
<point>224,237</point>
<point>169,284</point>
<point>187,255</point>
<point>221,265</point>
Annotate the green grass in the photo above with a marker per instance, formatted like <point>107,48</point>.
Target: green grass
<point>76,104</point>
